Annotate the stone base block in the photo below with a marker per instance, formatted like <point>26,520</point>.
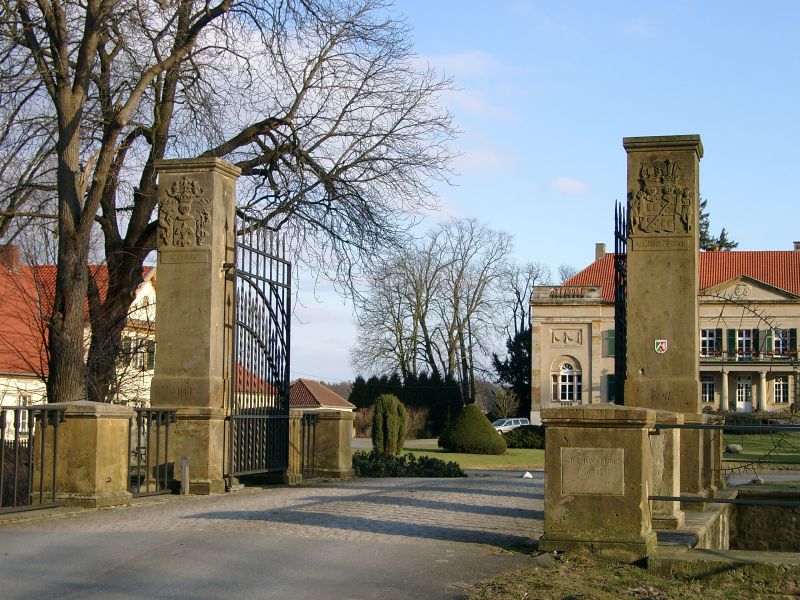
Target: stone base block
<point>96,500</point>
<point>668,522</point>
<point>623,549</point>
<point>342,473</point>
<point>204,487</point>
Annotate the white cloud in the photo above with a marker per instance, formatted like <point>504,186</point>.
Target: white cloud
<point>485,157</point>
<point>474,103</point>
<point>467,63</point>
<point>573,187</point>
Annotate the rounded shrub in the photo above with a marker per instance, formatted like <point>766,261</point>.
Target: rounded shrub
<point>527,436</point>
<point>388,425</point>
<point>472,433</point>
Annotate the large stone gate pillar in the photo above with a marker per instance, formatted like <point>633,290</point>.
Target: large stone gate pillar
<point>196,200</point>
<point>663,272</point>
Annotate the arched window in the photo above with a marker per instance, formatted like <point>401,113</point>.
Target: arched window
<point>567,383</point>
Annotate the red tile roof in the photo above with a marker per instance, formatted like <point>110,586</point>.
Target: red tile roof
<point>307,393</point>
<point>26,301</point>
<point>778,268</point>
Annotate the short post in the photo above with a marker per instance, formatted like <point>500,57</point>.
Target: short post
<point>597,480</point>
<point>666,475</point>
<point>185,476</point>
<point>294,473</point>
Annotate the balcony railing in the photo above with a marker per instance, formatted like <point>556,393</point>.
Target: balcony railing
<point>787,356</point>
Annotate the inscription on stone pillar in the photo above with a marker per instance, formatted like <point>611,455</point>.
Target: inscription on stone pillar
<point>593,471</point>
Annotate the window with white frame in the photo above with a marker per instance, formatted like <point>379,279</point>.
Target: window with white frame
<point>23,400</point>
<point>708,342</point>
<point>707,388</point>
<point>744,343</point>
<point>780,342</point>
<point>781,395</point>
<point>567,383</point>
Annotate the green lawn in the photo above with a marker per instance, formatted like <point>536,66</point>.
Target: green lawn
<point>515,460</point>
<point>781,448</point>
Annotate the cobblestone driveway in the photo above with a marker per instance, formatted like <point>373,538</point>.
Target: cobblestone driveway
<point>421,518</point>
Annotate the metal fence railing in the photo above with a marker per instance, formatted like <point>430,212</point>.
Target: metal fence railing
<point>149,469</point>
<point>309,445</point>
<point>764,444</point>
<point>29,456</point>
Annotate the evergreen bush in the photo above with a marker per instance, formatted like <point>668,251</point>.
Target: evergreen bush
<point>472,433</point>
<point>369,463</point>
<point>388,425</point>
<point>527,436</point>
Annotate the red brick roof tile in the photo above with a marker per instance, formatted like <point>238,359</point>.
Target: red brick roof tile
<point>778,268</point>
<point>307,393</point>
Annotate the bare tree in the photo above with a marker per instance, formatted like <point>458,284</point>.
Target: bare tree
<point>505,403</point>
<point>566,271</point>
<point>518,286</point>
<point>319,102</point>
<point>433,305</point>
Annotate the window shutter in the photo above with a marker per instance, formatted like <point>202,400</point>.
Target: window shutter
<point>612,341</point>
<point>611,389</point>
<point>126,350</point>
<point>718,341</point>
<point>732,344</point>
<point>151,355</point>
<point>770,345</point>
<point>756,345</point>
<point>793,340</point>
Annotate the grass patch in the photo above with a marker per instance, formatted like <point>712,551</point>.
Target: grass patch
<point>517,459</point>
<point>782,448</point>
<point>576,575</point>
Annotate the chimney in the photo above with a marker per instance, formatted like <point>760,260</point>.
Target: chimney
<point>797,246</point>
<point>9,256</point>
<point>599,251</point>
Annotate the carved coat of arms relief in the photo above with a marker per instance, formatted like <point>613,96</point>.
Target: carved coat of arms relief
<point>662,204</point>
<point>183,214</point>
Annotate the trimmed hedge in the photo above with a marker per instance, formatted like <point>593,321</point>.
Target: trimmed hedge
<point>369,463</point>
<point>527,436</point>
<point>472,433</point>
<point>388,424</point>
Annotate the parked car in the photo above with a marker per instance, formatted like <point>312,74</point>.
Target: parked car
<point>503,425</point>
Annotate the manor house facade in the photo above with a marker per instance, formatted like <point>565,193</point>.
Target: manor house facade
<point>749,305</point>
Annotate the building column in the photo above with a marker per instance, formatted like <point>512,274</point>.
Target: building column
<point>723,393</point>
<point>762,391</point>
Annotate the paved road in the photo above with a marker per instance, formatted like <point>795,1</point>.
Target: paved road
<point>393,538</point>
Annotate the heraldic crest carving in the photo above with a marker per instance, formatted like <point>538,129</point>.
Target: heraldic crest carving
<point>662,204</point>
<point>183,215</point>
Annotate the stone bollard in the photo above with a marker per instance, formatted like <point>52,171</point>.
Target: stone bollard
<point>597,481</point>
<point>695,462</point>
<point>92,461</point>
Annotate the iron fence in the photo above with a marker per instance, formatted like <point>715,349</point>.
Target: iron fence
<point>28,473</point>
<point>308,446</point>
<point>149,469</point>
<point>781,447</point>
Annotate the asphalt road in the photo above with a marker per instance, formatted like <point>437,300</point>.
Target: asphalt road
<point>392,538</point>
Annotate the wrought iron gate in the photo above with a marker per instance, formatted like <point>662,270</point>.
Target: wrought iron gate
<point>259,365</point>
<point>620,302</point>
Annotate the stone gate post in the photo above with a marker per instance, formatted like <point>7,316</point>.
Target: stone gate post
<point>196,203</point>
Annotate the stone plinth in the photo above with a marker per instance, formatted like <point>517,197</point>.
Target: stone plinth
<point>597,480</point>
<point>333,454</point>
<point>196,200</point>
<point>666,473</point>
<point>663,273</point>
<point>92,464</point>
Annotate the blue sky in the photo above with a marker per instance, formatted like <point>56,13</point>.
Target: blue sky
<point>546,92</point>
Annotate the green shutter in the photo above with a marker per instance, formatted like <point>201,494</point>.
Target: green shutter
<point>770,344</point>
<point>612,342</point>
<point>756,346</point>
<point>793,340</point>
<point>732,344</point>
<point>718,341</point>
<point>126,350</point>
<point>611,390</point>
<point>151,355</point>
